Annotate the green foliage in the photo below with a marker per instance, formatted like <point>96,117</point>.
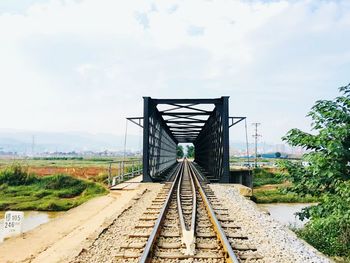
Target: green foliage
<point>100,178</point>
<point>262,176</point>
<point>58,158</point>
<point>179,151</point>
<point>60,181</point>
<point>277,195</point>
<point>331,235</point>
<point>16,175</point>
<point>190,151</point>
<point>21,191</point>
<point>100,159</point>
<point>325,173</point>
<point>134,168</point>
<point>330,147</point>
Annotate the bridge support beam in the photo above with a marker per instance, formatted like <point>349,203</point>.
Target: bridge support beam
<point>212,144</point>
<point>146,134</point>
<point>159,144</point>
<point>225,178</point>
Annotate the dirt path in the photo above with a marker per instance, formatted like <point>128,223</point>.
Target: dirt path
<point>63,238</point>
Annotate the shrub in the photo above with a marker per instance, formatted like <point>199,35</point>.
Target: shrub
<point>61,181</point>
<point>16,175</point>
<point>331,235</point>
<point>100,178</point>
<point>263,176</point>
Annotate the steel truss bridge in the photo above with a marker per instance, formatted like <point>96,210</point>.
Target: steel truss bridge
<point>203,122</point>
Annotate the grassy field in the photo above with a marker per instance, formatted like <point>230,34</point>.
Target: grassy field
<point>62,162</point>
<point>270,187</point>
<point>54,184</point>
<point>20,190</point>
<point>274,193</point>
<point>85,168</point>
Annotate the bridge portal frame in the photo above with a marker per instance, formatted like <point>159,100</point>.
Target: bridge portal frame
<point>210,136</point>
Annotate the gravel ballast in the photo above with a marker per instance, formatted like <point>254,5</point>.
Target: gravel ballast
<point>273,240</point>
<point>107,245</point>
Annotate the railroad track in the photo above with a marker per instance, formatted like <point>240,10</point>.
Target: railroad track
<point>186,222</point>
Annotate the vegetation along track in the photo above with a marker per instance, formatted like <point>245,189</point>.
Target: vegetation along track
<point>187,223</point>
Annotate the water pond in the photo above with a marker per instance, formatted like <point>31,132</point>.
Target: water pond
<point>32,219</point>
<point>285,213</point>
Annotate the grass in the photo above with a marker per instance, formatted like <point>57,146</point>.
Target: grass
<point>22,191</point>
<point>276,194</point>
<point>269,187</point>
<point>61,161</point>
<point>264,176</point>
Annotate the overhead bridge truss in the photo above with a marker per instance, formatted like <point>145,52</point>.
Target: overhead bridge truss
<point>203,122</point>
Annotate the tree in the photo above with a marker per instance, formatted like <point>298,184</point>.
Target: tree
<point>190,151</point>
<point>327,174</point>
<point>278,155</point>
<point>179,151</point>
<point>329,155</point>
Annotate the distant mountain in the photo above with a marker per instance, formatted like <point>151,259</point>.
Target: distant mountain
<point>22,141</point>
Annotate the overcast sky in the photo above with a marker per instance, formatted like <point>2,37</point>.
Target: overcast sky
<point>85,65</point>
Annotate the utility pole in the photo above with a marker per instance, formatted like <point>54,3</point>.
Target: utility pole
<point>256,136</point>
<point>33,145</point>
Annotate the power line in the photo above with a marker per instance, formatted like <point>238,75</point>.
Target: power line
<point>256,136</point>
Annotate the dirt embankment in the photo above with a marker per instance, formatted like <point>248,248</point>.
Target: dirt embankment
<point>63,238</point>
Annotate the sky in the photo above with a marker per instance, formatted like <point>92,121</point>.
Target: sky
<point>84,65</point>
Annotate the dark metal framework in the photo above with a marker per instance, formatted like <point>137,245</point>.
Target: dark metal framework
<point>203,122</point>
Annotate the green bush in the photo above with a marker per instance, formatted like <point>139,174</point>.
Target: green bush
<point>331,235</point>
<point>263,176</point>
<point>61,181</point>
<point>100,178</point>
<point>16,175</point>
<point>326,175</point>
<point>57,158</point>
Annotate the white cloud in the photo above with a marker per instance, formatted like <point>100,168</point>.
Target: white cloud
<point>84,65</point>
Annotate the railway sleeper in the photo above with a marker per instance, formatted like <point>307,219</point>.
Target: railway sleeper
<point>128,254</point>
<point>151,213</point>
<point>148,218</point>
<point>236,236</point>
<point>137,235</point>
<point>224,219</point>
<point>248,256</point>
<point>242,247</point>
<point>133,245</point>
<point>170,234</point>
<point>206,234</point>
<point>179,255</point>
<point>229,225</point>
<point>145,226</point>
<point>170,245</point>
<point>206,246</point>
<point>221,213</point>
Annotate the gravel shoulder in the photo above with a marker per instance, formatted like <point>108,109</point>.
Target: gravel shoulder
<point>274,241</point>
<point>63,238</point>
<point>107,245</point>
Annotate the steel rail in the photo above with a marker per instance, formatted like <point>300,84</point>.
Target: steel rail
<point>157,227</point>
<point>230,255</point>
<point>188,234</point>
<point>194,200</point>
